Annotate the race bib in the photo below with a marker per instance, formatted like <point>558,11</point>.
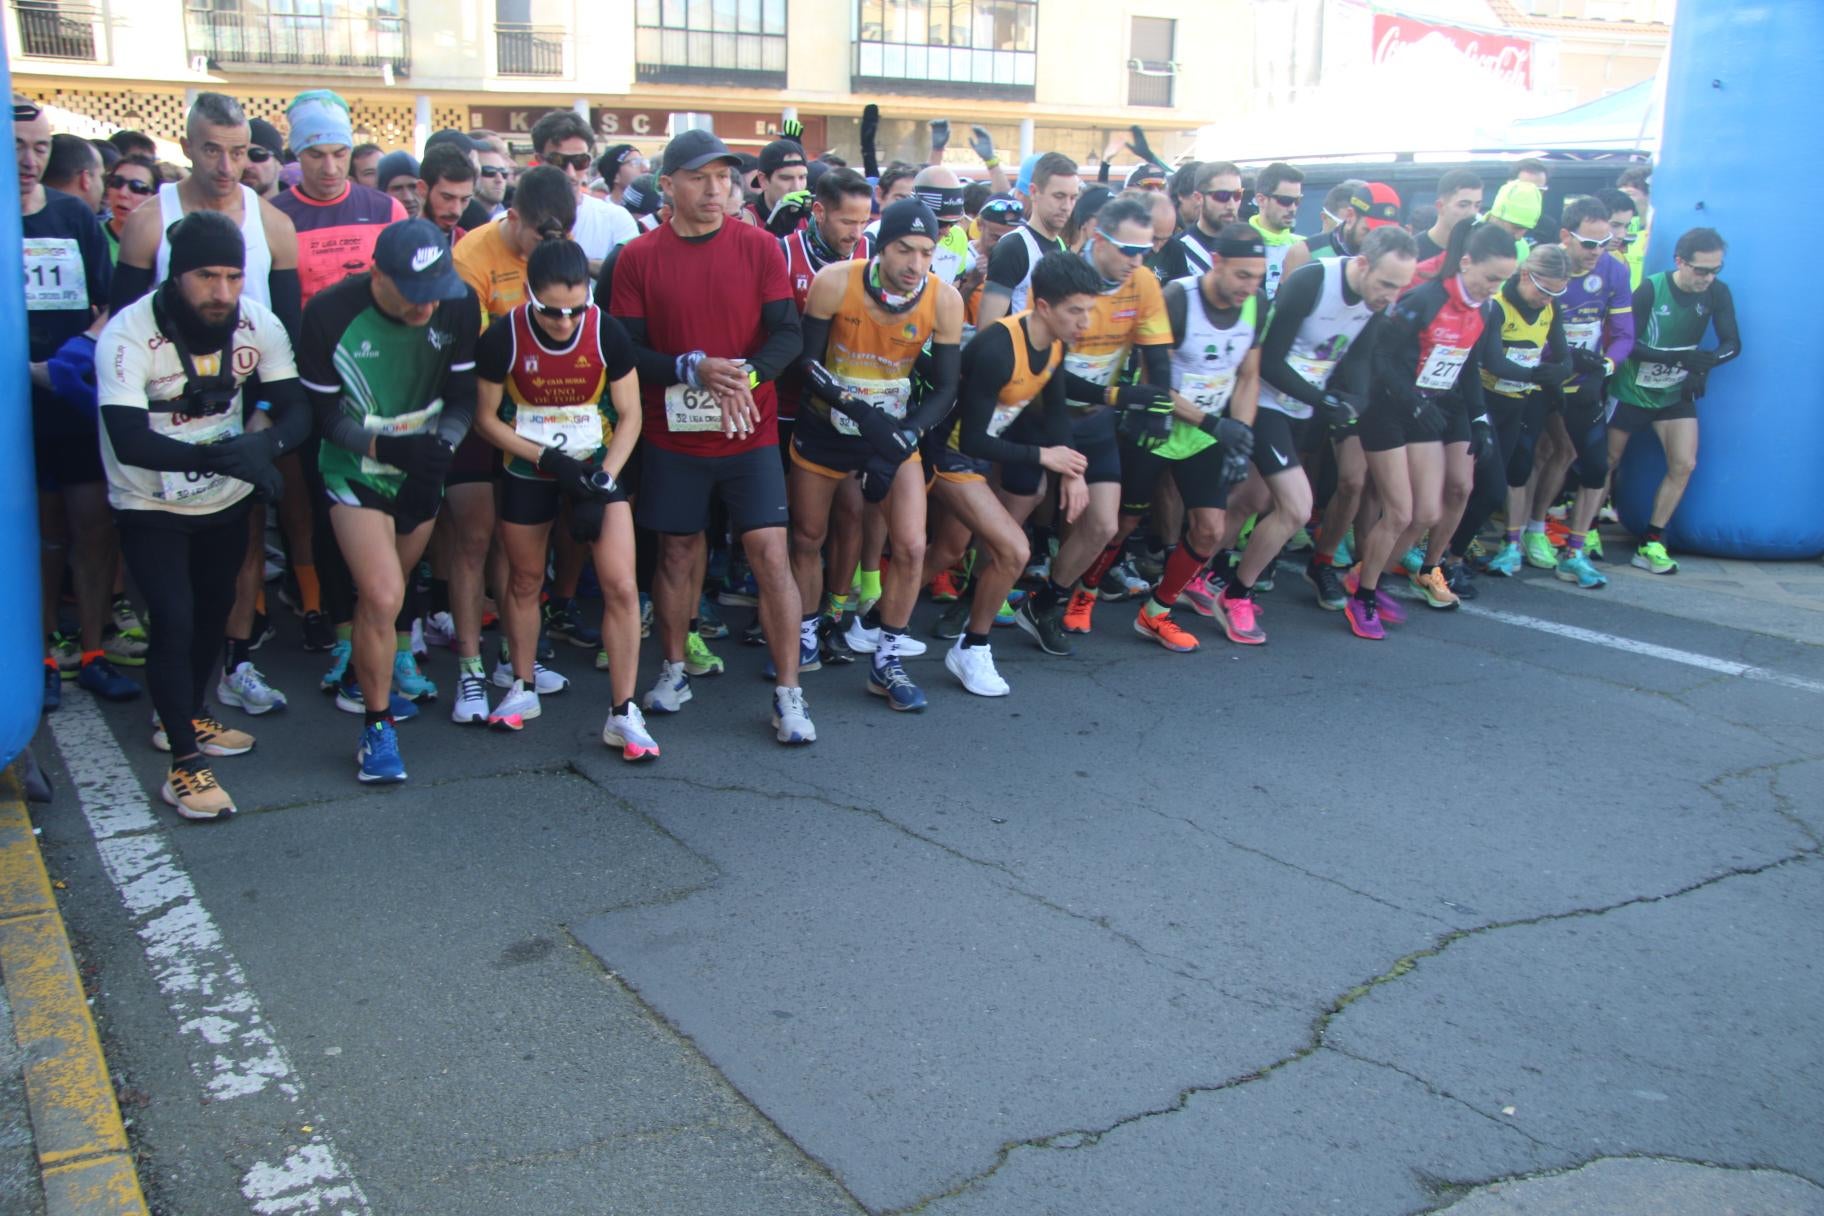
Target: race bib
<point>1315,372</point>
<point>1440,371</point>
<point>198,488</point>
<point>1660,375</point>
<point>1209,393</point>
<point>54,277</point>
<point>1097,369</point>
<point>1583,334</point>
<point>1003,418</point>
<point>691,409</point>
<point>576,429</point>
<point>889,396</point>
<point>1525,356</point>
<point>415,423</point>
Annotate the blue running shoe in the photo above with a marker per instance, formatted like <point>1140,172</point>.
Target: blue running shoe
<point>350,701</point>
<point>408,680</point>
<point>379,756</point>
<point>810,658</point>
<point>888,679</point>
<point>1507,563</point>
<point>339,654</point>
<point>1574,567</point>
<point>104,680</point>
<point>710,625</point>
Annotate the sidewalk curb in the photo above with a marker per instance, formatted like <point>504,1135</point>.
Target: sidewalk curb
<point>80,1142</point>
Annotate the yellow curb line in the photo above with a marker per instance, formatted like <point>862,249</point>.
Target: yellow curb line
<point>76,1127</point>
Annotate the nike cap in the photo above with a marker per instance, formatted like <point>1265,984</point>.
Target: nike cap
<point>415,255</point>
<point>692,150</point>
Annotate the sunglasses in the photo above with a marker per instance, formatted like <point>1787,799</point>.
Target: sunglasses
<point>1592,244</point>
<point>1224,196</point>
<point>1133,251</point>
<point>551,310</point>
<point>130,184</point>
<point>493,171</point>
<point>259,155</point>
<point>576,160</point>
<point>1708,272</point>
<point>1286,200</point>
<point>1546,290</point>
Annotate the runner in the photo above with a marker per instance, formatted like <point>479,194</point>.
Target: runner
<point>1516,210</point>
<point>1012,364</point>
<point>446,183</point>
<point>1636,182</point>
<point>1459,201</point>
<point>1129,315</point>
<point>1054,192</point>
<point>1182,190</point>
<point>1367,206</point>
<point>711,414</point>
<point>941,190</point>
<point>1426,387</point>
<point>493,174</point>
<point>564,141</point>
<point>1217,198</point>
<point>866,324</point>
<point>619,167</point>
<point>1336,203</point>
<point>265,157</point>
<point>337,219</point>
<point>784,202</point>
<point>1666,373</point>
<point>181,469</point>
<point>1278,191</point>
<point>397,176</point>
<point>557,394</point>
<point>130,185</point>
<point>75,168</point>
<point>388,358</point>
<point>363,163</point>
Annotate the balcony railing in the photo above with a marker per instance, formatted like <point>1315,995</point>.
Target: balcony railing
<point>664,55</point>
<point>529,50</point>
<point>951,71</point>
<point>350,42</point>
<point>49,29</point>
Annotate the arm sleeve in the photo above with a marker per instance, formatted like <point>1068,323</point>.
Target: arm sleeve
<point>1076,388</point>
<point>1491,353</point>
<point>136,443</point>
<point>783,339</point>
<point>1169,263</point>
<point>654,368</point>
<point>1057,413</point>
<point>1557,353</point>
<point>617,348</point>
<point>459,388</point>
<point>939,397</point>
<point>1297,298</point>
<point>815,332</point>
<point>1469,380</point>
<point>1354,373</point>
<point>1156,364</point>
<point>494,353</point>
<point>1643,313</point>
<point>604,282</point>
<point>129,283</point>
<point>323,383</point>
<point>1007,265</point>
<point>986,369</point>
<point>290,413</point>
<point>1396,355</point>
<point>97,267</point>
<point>1728,332</point>
<point>287,298</point>
<point>1178,315</point>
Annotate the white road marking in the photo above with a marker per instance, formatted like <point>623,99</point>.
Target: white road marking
<point>232,1048</point>
<point>1689,658</point>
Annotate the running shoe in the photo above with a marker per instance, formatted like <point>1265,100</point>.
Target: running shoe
<point>1574,567</point>
<point>698,661</point>
<point>264,631</point>
<point>669,691</point>
<point>123,618</point>
<point>1388,609</point>
<point>192,790</point>
<point>545,682</point>
<point>1328,584</point>
<point>320,634</point>
<point>1592,543</point>
<point>1653,558</point>
<point>1038,572</point>
<point>601,660</point>
<point>53,687</point>
<point>1507,563</point>
<point>974,666</point>
<point>1239,619</point>
<point>471,703</point>
<point>1460,581</point>
<point>1435,589</point>
<point>1538,550</point>
<point>68,654</point>
<point>378,756</point>
<point>953,621</point>
<point>863,640</point>
<point>1045,628</point>
<point>1364,618</point>
<point>944,588</point>
<point>339,654</point>
<point>1198,595</point>
<point>408,681</point>
<point>752,634</point>
<point>350,701</point>
<point>791,722</point>
<point>1344,557</point>
<point>1411,562</point>
<point>1607,516</point>
<point>710,625</point>
<point>887,678</point>
<point>645,615</point>
<point>833,642</point>
<point>564,619</point>
<point>739,590</point>
<point>127,649</point>
<point>1003,617</point>
<point>1079,612</point>
<point>246,688</point>
<point>628,732</point>
<point>1265,582</point>
<point>1123,583</point>
<point>212,737</point>
<point>1477,552</point>
<point>1301,542</point>
<point>518,707</point>
<point>1165,631</point>
<point>1148,563</point>
<point>809,659</point>
<point>439,629</point>
<point>104,680</point>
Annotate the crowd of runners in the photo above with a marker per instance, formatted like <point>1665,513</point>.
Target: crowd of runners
<point>472,400</point>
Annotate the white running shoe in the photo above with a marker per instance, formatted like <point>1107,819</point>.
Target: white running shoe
<point>670,691</point>
<point>245,688</point>
<point>471,699</point>
<point>419,650</point>
<point>974,666</point>
<point>867,641</point>
<point>628,732</point>
<point>516,709</point>
<point>544,680</point>
<point>791,724</point>
<point>440,630</point>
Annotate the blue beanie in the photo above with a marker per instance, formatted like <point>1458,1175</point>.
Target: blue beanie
<point>319,116</point>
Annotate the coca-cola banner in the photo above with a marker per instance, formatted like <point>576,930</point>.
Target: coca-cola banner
<point>1507,58</point>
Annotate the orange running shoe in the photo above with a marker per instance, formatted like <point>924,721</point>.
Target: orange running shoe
<point>1165,631</point>
<point>1077,612</point>
<point>944,589</point>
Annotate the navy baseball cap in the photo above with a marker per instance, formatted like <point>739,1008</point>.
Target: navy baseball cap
<point>415,255</point>
<point>692,150</point>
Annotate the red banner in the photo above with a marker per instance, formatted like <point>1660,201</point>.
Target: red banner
<point>1507,58</point>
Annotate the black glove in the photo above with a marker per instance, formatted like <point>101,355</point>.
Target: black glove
<point>877,475</point>
<point>940,134</point>
<point>1697,383</point>
<point>1700,360</point>
<point>1428,415</point>
<point>890,437</point>
<point>575,478</point>
<point>244,457</point>
<point>426,456</point>
<point>823,383</point>
<point>1588,362</point>
<point>1146,414</point>
<point>982,144</point>
<point>586,519</point>
<point>870,124</point>
<point>1551,374</point>
<point>1236,440</point>
<point>1481,440</point>
<point>418,499</point>
<point>1338,410</point>
<point>788,213</point>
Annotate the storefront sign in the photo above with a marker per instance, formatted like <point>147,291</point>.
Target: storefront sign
<point>1506,58</point>
<point>633,126</point>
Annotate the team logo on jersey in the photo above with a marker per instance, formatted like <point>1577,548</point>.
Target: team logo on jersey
<point>438,338</point>
<point>909,331</point>
<point>367,351</point>
<point>1592,282</point>
<point>531,364</point>
<point>1703,310</point>
<point>246,358</point>
<point>1331,348</point>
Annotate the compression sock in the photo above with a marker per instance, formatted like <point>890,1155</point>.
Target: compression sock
<point>236,651</point>
<point>1180,568</point>
<point>974,639</point>
<point>310,592</point>
<point>1098,569</point>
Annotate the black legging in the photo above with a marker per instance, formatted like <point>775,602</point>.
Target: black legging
<point>1495,472</point>
<point>185,567</point>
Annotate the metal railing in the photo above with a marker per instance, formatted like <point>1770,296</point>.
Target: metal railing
<point>1149,82</point>
<point>49,29</point>
<point>529,50</point>
<point>916,67</point>
<point>669,55</point>
<point>347,41</point>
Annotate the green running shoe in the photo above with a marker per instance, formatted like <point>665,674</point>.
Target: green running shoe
<point>698,659</point>
<point>1538,550</point>
<point>1653,558</point>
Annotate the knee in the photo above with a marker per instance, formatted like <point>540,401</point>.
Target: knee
<point>909,550</point>
<point>1011,550</point>
<point>1202,536</point>
<point>1350,483</point>
<point>1681,468</point>
<point>619,588</point>
<point>523,583</point>
<point>808,540</point>
<point>1397,517</point>
<point>382,596</point>
<point>1297,503</point>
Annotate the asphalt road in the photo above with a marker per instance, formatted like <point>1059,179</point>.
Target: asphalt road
<point>1319,926</point>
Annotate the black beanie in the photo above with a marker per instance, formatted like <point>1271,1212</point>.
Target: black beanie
<point>205,238</point>
<point>907,217</point>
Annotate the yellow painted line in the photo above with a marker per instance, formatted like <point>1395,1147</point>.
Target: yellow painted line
<point>82,1147</point>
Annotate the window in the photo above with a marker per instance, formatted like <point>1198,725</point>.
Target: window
<point>525,45</point>
<point>314,33</point>
<point>738,42</point>
<point>970,48</point>
<point>51,29</point>
<point>1150,70</point>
